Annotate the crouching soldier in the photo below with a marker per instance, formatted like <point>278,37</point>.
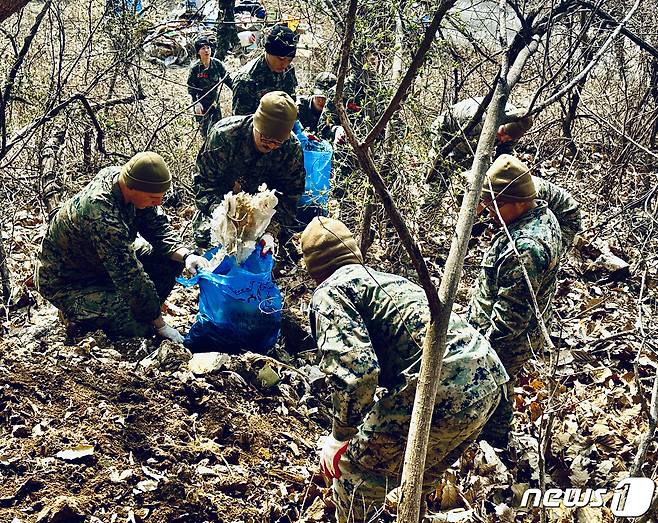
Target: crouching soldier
<point>502,307</point>
<point>369,327</point>
<point>91,268</point>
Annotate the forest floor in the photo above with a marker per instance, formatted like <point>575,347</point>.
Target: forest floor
<point>89,430</point>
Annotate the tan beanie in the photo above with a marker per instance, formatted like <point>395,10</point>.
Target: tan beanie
<point>327,245</point>
<point>276,115</point>
<point>510,181</point>
<point>146,172</point>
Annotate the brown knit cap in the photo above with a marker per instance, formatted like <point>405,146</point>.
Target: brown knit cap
<point>327,245</point>
<point>276,115</point>
<point>510,181</point>
<point>146,172</point>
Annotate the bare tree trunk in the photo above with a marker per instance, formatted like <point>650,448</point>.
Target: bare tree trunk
<point>51,186</point>
<point>5,281</point>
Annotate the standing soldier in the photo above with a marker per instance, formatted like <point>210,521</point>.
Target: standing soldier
<point>369,327</point>
<point>272,71</point>
<point>206,76</point>
<point>241,153</point>
<point>92,269</point>
<point>450,123</point>
<point>310,107</point>
<point>502,306</point>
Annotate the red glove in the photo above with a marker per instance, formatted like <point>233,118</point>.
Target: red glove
<point>313,137</point>
<point>330,453</point>
<point>355,108</point>
<point>267,244</point>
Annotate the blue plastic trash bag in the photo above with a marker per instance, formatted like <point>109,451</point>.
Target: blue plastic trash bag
<point>317,163</point>
<point>239,306</point>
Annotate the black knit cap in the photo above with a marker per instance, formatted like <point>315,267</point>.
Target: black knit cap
<point>200,42</point>
<point>281,42</point>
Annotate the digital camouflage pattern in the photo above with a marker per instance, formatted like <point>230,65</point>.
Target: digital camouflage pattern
<point>353,95</point>
<point>369,328</point>
<point>501,306</point>
<point>229,156</point>
<point>306,113</point>
<point>89,264</point>
<point>372,465</point>
<point>254,80</point>
<point>565,208</point>
<point>450,122</point>
<point>203,85</point>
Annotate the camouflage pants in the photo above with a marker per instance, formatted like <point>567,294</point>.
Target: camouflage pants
<point>207,120</point>
<point>372,464</point>
<point>496,430</point>
<point>98,305</point>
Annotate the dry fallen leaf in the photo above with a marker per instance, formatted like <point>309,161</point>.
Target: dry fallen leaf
<point>77,452</point>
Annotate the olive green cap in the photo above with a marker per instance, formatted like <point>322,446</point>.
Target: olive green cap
<point>327,245</point>
<point>510,181</point>
<point>146,172</point>
<point>276,115</point>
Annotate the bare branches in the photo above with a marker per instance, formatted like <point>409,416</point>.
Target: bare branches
<point>409,76</point>
<point>11,77</point>
<point>595,59</point>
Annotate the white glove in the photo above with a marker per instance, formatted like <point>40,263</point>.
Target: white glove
<point>198,108</point>
<point>330,451</point>
<point>169,333</point>
<point>194,263</point>
<point>267,243</point>
<point>339,136</point>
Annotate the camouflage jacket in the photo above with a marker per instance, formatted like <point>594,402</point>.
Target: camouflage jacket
<point>230,155</point>
<point>202,83</point>
<point>501,306</point>
<point>306,114</point>
<point>369,327</point>
<point>565,208</point>
<point>90,241</point>
<point>449,123</point>
<point>354,97</point>
<point>254,80</point>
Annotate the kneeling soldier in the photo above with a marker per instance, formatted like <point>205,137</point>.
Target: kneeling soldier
<point>92,269</point>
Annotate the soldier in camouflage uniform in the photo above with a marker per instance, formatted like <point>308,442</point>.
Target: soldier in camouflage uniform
<point>272,71</point>
<point>310,107</point>
<point>449,124</point>
<point>92,269</point>
<point>559,201</point>
<point>369,326</point>
<point>501,307</point>
<point>206,75</point>
<point>241,153</point>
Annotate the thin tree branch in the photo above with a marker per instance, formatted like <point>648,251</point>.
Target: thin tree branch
<point>409,76</point>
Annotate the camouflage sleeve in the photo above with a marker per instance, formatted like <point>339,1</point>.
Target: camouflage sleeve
<point>348,358</point>
<point>191,85</point>
<point>154,226</point>
<point>512,309</point>
<point>113,244</point>
<point>210,183</point>
<point>292,180</point>
<point>328,120</point>
<point>228,81</point>
<point>245,100</point>
<point>565,208</point>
